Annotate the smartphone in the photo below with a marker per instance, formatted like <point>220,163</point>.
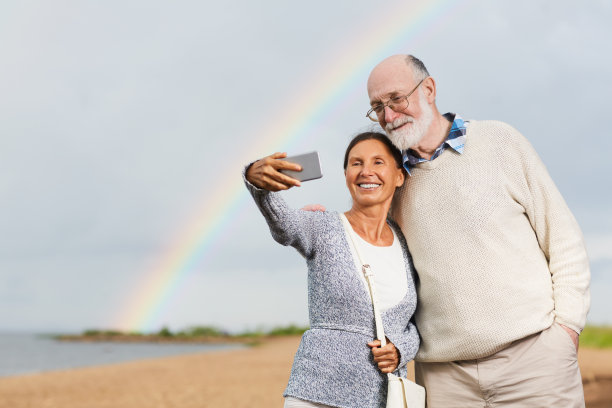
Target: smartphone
<point>311,166</point>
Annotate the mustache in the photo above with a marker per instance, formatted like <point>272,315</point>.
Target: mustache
<point>398,122</point>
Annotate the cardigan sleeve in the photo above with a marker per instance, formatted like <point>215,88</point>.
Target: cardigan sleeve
<point>559,237</point>
<point>407,343</point>
<point>289,227</point>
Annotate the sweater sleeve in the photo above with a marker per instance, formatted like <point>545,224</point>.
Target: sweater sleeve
<point>559,237</point>
<point>289,227</point>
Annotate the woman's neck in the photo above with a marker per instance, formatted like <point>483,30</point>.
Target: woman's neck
<point>370,223</point>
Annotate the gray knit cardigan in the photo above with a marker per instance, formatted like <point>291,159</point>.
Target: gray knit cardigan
<point>333,364</point>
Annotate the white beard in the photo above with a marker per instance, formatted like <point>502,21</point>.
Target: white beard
<point>409,136</point>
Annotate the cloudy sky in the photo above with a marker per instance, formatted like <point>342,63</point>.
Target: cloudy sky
<point>121,121</point>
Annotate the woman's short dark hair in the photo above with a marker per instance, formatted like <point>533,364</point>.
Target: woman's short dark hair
<point>381,137</point>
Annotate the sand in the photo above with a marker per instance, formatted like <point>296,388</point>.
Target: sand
<point>210,380</point>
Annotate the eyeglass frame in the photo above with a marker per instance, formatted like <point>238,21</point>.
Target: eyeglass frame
<point>384,105</point>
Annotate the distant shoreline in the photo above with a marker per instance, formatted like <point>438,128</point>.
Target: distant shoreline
<point>146,338</point>
<point>197,335</point>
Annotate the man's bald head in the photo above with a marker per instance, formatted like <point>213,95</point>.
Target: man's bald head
<point>405,68</point>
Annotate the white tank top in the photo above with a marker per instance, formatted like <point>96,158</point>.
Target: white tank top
<point>387,265</point>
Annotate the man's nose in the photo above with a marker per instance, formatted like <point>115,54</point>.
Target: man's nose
<point>390,115</point>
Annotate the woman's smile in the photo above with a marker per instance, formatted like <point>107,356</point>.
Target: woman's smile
<point>369,186</point>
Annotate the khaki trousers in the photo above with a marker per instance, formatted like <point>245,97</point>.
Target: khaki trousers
<point>540,370</point>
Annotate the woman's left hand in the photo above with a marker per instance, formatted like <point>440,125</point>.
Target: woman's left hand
<point>386,357</point>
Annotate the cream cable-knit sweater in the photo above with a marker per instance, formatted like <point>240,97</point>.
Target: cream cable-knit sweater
<point>498,253</point>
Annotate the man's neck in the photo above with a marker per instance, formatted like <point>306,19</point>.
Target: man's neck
<point>435,136</point>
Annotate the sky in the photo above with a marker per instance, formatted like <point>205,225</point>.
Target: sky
<point>124,127</point>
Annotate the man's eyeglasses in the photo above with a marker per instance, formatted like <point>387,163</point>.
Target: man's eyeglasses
<point>397,103</point>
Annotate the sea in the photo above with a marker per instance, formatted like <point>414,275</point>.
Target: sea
<point>27,353</point>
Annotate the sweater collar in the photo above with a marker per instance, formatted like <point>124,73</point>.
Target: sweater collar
<point>455,140</point>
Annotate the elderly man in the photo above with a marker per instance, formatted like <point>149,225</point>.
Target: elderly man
<point>504,276</point>
<point>503,271</point>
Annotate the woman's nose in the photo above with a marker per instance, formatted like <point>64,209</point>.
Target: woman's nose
<point>366,170</point>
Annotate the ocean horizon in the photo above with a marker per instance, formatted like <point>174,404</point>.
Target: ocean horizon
<point>31,353</point>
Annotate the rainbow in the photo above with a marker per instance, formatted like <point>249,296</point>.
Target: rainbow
<point>409,21</point>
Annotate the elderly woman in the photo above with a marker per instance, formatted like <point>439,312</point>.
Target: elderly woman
<point>338,364</point>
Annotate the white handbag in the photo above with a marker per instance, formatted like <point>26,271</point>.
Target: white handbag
<point>401,392</point>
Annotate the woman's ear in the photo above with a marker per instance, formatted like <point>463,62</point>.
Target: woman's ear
<point>401,177</point>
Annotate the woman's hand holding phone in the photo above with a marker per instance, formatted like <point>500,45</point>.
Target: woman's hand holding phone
<point>265,173</point>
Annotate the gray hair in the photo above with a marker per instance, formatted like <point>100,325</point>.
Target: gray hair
<point>418,68</point>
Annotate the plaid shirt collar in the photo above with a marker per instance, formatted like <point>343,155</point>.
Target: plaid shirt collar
<point>455,140</point>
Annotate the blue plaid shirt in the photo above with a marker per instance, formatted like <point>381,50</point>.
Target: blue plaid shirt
<point>455,140</point>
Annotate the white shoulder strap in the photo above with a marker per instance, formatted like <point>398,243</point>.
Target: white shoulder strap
<point>367,273</point>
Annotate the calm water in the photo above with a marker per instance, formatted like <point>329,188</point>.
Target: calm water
<point>29,353</point>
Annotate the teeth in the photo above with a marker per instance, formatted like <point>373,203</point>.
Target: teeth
<point>369,185</point>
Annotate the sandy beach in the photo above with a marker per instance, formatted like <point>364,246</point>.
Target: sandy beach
<point>210,380</point>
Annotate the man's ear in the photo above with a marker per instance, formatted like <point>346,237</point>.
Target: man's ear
<point>429,89</point>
